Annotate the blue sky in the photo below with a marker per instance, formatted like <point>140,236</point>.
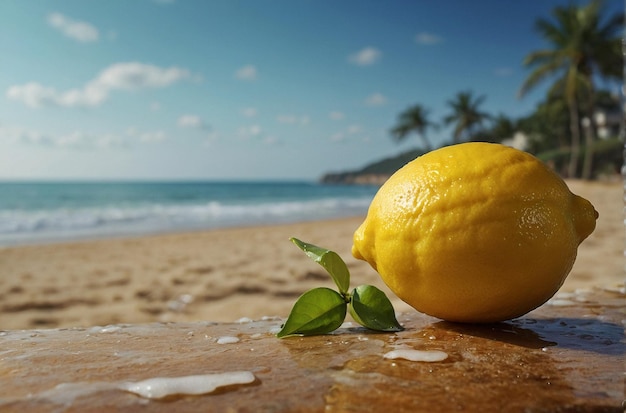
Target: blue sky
<point>250,89</point>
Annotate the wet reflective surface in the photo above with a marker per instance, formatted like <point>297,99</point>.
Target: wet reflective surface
<point>567,356</point>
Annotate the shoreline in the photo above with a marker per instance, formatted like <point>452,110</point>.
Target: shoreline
<point>36,213</point>
<point>121,236</point>
<point>225,274</point>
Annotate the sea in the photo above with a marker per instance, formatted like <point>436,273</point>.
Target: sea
<point>44,212</point>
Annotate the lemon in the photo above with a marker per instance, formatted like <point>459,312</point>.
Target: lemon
<point>474,232</point>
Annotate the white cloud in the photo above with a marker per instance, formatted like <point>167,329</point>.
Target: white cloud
<point>250,131</point>
<point>249,112</point>
<point>146,136</point>
<point>293,119</point>
<point>345,134</point>
<point>80,31</point>
<point>336,115</point>
<point>270,140</point>
<point>28,136</point>
<point>248,72</point>
<point>254,130</point>
<point>503,71</point>
<point>190,121</point>
<point>110,141</point>
<point>352,129</point>
<point>79,139</point>
<point>74,140</point>
<point>119,76</point>
<point>150,137</point>
<point>85,141</point>
<point>376,99</point>
<point>365,57</point>
<point>135,75</point>
<point>428,39</point>
<point>33,94</point>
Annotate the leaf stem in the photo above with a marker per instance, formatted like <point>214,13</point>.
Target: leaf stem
<point>322,310</point>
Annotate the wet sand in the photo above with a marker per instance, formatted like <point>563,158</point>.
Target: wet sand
<point>227,274</point>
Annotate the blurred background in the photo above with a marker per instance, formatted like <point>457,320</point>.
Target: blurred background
<point>122,118</point>
<point>266,91</point>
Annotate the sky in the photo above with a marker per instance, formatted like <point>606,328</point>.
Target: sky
<point>245,89</point>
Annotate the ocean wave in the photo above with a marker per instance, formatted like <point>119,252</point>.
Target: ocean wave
<point>18,225</point>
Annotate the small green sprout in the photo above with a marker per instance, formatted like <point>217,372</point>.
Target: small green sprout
<point>322,310</point>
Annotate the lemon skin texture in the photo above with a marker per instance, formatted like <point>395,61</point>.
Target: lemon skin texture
<point>474,232</point>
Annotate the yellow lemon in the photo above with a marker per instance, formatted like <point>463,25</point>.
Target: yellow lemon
<point>474,232</point>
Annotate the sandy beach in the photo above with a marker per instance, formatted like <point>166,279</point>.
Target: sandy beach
<point>227,274</point>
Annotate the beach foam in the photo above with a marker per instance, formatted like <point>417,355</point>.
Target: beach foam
<point>75,211</point>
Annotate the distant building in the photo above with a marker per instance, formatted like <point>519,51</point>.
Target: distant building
<point>608,123</point>
<point>519,140</point>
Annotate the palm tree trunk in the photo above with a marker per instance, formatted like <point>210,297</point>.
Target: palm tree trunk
<point>588,159</point>
<point>589,139</point>
<point>574,125</point>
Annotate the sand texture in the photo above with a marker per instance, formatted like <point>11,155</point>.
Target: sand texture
<point>227,274</point>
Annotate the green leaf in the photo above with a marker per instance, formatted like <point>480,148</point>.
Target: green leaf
<point>330,260</point>
<point>318,311</point>
<point>371,308</point>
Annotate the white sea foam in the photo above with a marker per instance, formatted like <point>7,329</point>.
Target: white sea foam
<point>19,225</point>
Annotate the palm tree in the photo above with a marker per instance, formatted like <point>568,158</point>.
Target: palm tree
<point>581,46</point>
<point>466,115</point>
<point>500,127</point>
<point>413,119</point>
<point>547,128</point>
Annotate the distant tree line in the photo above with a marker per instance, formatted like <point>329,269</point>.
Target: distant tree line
<point>584,47</point>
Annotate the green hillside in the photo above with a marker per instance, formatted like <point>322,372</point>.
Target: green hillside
<point>373,173</point>
<point>607,160</point>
